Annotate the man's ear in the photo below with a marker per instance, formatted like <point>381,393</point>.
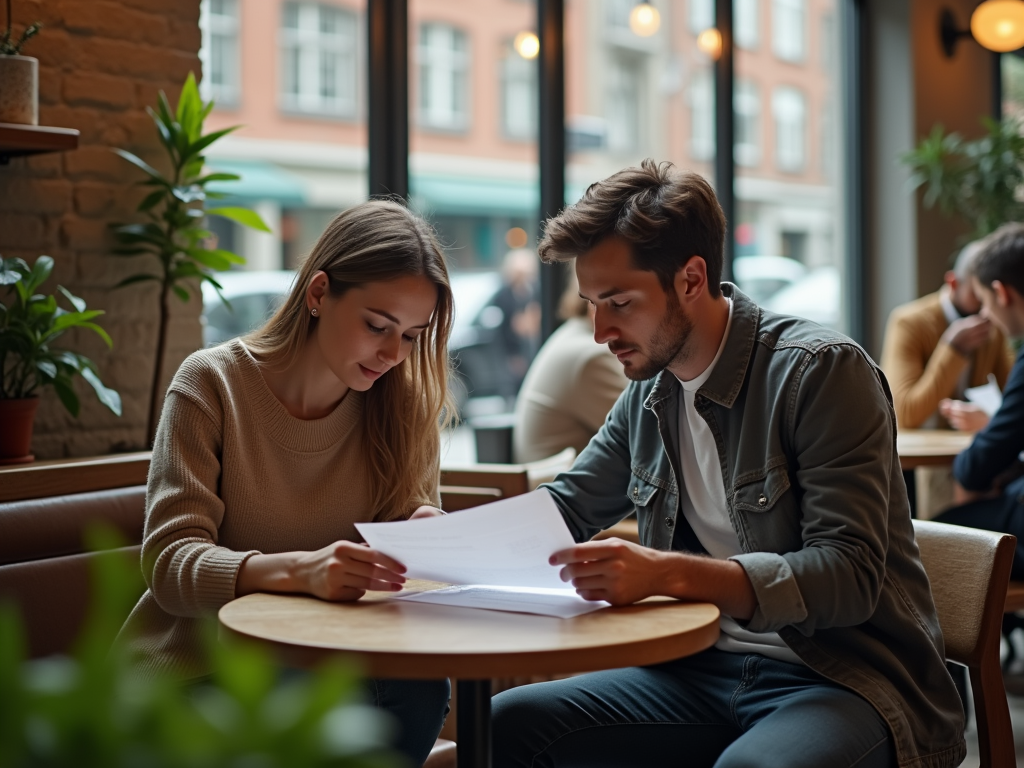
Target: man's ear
<point>950,279</point>
<point>691,279</point>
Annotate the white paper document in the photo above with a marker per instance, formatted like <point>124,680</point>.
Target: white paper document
<point>988,397</point>
<point>496,555</point>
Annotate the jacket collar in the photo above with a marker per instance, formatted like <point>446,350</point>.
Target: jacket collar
<point>725,382</point>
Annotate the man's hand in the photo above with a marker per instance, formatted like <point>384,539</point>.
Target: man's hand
<point>612,569</point>
<point>963,416</point>
<point>622,573</point>
<point>967,334</point>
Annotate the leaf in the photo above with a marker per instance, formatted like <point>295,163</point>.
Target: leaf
<point>180,292</point>
<point>218,177</point>
<point>151,200</point>
<point>48,368</point>
<point>243,216</point>
<point>205,141</point>
<point>76,302</point>
<point>140,163</point>
<point>67,396</point>
<point>136,279</point>
<point>216,258</point>
<point>107,396</point>
<point>40,273</point>
<point>12,270</point>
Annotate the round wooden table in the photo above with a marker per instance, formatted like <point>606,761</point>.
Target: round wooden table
<point>401,639</point>
<point>930,447</point>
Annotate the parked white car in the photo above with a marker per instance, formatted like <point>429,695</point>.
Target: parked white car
<point>816,296</point>
<point>761,277</point>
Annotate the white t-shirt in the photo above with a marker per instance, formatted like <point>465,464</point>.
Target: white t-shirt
<point>706,509</point>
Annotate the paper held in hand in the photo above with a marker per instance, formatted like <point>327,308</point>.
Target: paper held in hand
<point>495,556</point>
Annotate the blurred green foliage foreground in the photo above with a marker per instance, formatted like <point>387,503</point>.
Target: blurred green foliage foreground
<point>88,710</point>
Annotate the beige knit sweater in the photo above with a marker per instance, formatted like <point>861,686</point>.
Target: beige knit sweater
<point>234,474</point>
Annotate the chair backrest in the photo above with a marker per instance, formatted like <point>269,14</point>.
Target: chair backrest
<point>969,570</point>
<point>473,484</point>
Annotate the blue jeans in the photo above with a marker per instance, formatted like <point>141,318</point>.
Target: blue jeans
<point>720,709</point>
<point>419,708</point>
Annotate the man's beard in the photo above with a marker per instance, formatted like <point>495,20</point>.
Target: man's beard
<point>668,344</point>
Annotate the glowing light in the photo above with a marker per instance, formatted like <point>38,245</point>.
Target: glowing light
<point>516,237</point>
<point>999,25</point>
<point>644,19</point>
<point>527,45</point>
<point>710,42</point>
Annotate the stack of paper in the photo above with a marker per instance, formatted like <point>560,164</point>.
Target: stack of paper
<point>495,556</point>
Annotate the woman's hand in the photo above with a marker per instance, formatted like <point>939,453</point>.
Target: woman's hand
<point>966,417</point>
<point>426,511</point>
<point>342,571</point>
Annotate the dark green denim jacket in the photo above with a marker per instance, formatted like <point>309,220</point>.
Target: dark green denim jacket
<point>806,437</point>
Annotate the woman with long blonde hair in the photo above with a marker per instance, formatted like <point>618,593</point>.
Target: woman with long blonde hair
<point>271,447</point>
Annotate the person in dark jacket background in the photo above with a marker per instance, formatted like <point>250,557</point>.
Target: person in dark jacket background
<point>985,472</point>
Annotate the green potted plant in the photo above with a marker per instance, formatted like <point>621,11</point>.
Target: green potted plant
<point>978,179</point>
<point>30,323</point>
<point>19,76</point>
<point>174,229</point>
<point>89,710</point>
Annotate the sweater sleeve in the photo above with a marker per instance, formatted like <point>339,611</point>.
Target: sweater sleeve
<point>919,377</point>
<point>187,572</point>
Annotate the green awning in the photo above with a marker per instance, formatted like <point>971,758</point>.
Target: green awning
<point>261,180</point>
<point>454,195</point>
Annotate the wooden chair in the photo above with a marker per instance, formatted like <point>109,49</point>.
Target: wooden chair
<point>470,485</point>
<point>969,570</point>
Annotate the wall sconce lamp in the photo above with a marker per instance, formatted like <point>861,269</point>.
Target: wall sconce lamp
<point>710,43</point>
<point>997,25</point>
<point>527,45</point>
<point>644,19</point>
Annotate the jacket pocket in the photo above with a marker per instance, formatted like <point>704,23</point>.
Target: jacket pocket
<point>762,494</point>
<point>641,493</point>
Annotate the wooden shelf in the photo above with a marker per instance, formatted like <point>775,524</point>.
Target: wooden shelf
<point>20,140</point>
<point>58,477</point>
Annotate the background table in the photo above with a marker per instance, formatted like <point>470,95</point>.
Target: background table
<point>400,639</point>
<point>930,447</point>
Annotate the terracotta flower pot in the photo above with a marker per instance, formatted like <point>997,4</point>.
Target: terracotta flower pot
<point>19,90</point>
<point>17,417</point>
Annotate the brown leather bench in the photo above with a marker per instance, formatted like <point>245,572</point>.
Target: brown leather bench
<point>45,562</point>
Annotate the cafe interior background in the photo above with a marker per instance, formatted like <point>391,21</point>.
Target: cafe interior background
<point>827,96</point>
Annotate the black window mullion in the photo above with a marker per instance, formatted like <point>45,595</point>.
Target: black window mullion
<point>388,97</point>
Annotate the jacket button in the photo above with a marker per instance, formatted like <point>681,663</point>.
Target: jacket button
<point>762,501</point>
<point>669,522</point>
<point>636,491</point>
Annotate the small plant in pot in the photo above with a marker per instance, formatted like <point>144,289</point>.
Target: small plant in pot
<point>19,76</point>
<point>30,323</point>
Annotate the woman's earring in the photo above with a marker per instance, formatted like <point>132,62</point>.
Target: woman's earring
<point>314,312</point>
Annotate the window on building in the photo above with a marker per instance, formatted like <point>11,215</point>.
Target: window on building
<point>788,33</point>
<point>518,95</point>
<point>443,58</point>
<point>746,20</point>
<point>624,97</point>
<point>790,113</point>
<point>617,12</point>
<point>318,58</point>
<point>702,15</point>
<point>702,115</point>
<point>218,20</point>
<point>747,106</point>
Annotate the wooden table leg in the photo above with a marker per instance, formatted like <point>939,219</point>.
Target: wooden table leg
<point>474,718</point>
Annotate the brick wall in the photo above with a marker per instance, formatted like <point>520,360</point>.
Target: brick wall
<point>100,65</point>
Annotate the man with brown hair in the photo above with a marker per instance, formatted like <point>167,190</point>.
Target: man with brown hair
<point>758,452</point>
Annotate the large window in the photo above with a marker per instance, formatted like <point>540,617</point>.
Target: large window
<point>218,20</point>
<point>747,105</point>
<point>788,29</point>
<point>746,21</point>
<point>443,60</point>
<point>790,113</point>
<point>623,101</point>
<point>702,115</point>
<point>518,95</point>
<point>318,60</point>
<point>701,15</point>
